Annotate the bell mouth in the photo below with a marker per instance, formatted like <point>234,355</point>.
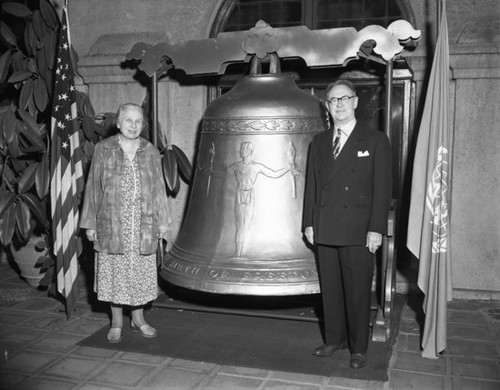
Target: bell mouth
<point>241,276</point>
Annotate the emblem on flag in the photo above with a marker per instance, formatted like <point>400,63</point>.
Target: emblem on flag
<point>436,202</point>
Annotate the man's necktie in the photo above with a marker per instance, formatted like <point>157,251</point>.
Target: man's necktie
<point>336,144</point>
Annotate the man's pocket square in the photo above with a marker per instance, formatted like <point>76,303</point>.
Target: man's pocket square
<point>363,154</point>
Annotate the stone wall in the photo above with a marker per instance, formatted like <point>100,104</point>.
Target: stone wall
<point>104,31</point>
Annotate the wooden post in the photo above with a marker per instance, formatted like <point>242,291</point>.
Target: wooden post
<point>154,138</point>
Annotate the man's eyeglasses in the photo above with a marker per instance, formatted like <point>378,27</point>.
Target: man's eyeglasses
<point>343,99</point>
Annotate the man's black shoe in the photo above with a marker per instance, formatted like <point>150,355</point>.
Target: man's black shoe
<point>328,349</point>
<point>358,360</point>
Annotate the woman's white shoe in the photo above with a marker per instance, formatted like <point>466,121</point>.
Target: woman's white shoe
<point>114,335</point>
<point>145,329</point>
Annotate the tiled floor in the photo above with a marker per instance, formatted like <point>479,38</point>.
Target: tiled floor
<point>38,352</point>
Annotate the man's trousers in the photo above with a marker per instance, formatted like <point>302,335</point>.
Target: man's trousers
<point>346,274</point>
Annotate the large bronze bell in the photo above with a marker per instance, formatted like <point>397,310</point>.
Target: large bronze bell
<point>242,230</point>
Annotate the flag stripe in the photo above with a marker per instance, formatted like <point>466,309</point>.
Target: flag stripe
<point>66,172</point>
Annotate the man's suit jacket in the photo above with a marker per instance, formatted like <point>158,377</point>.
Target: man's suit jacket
<point>347,197</point>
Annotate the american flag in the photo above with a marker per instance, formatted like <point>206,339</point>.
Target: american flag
<point>66,172</point>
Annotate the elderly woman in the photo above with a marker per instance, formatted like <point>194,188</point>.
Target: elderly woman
<point>125,212</point>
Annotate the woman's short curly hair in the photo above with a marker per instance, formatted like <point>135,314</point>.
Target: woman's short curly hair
<point>126,106</point>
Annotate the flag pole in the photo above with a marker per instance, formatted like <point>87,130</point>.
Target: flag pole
<point>440,6</point>
<point>154,85</point>
<point>388,97</point>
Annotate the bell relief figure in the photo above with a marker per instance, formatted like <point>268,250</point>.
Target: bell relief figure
<point>246,171</point>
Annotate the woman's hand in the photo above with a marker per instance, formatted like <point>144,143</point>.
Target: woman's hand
<point>167,235</point>
<point>91,234</point>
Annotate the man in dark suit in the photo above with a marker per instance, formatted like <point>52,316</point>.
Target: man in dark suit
<point>346,206</point>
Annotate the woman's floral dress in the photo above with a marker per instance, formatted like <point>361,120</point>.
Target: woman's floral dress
<point>129,278</point>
